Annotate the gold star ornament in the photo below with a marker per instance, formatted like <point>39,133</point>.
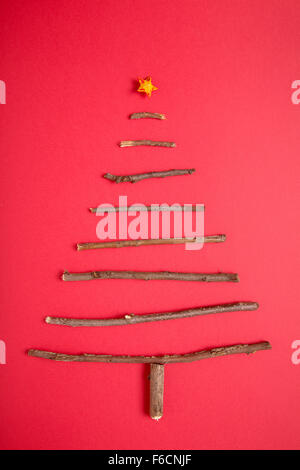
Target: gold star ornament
<point>146,86</point>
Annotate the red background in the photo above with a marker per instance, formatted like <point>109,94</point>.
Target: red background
<point>224,71</point>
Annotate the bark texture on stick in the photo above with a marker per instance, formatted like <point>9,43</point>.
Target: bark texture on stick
<point>151,174</point>
<point>150,276</point>
<point>149,143</point>
<point>131,319</point>
<point>152,208</point>
<point>150,241</point>
<point>156,390</point>
<point>167,359</point>
<point>147,116</point>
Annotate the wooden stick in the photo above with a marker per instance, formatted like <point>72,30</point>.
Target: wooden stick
<point>151,276</point>
<point>152,208</point>
<point>131,319</point>
<point>147,116</point>
<point>167,359</point>
<point>157,364</point>
<point>156,390</point>
<point>142,176</point>
<point>149,143</point>
<point>150,241</point>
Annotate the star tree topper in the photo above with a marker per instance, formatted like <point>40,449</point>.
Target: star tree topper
<point>145,86</point>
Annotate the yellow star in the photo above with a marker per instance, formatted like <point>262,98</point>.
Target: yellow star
<point>146,86</point>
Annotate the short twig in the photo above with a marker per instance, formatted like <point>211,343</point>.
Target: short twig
<point>131,319</point>
<point>147,116</point>
<point>168,359</point>
<point>150,276</point>
<point>160,241</point>
<point>157,376</point>
<point>149,143</point>
<point>152,208</point>
<point>143,176</point>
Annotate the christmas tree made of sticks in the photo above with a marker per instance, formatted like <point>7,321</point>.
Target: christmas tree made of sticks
<point>157,363</point>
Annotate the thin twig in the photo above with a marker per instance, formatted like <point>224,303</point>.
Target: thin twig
<point>149,143</point>
<point>150,174</point>
<point>147,116</point>
<point>150,276</point>
<point>167,359</point>
<point>150,241</point>
<point>152,208</point>
<point>131,319</point>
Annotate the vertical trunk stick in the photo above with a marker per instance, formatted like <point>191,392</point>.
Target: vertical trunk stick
<point>156,390</point>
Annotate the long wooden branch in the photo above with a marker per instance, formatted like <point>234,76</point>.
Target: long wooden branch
<point>150,276</point>
<point>152,208</point>
<point>150,241</point>
<point>167,359</point>
<point>131,319</point>
<point>157,365</point>
<point>147,116</point>
<point>149,143</point>
<point>151,174</point>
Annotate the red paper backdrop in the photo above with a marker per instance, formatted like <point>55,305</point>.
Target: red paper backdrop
<point>224,72</point>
